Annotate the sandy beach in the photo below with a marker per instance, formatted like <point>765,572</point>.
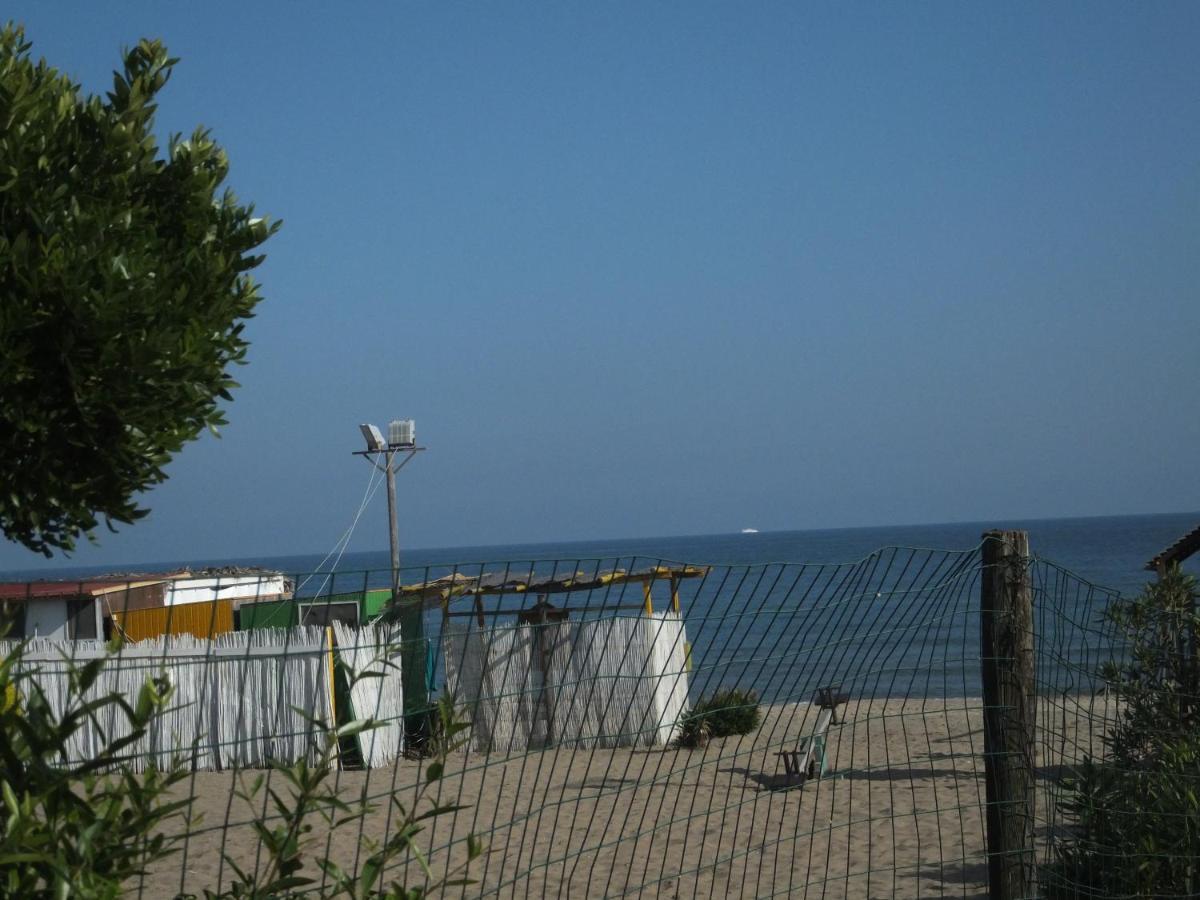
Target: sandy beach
<point>899,813</point>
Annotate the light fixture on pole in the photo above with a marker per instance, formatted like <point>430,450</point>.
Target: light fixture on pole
<point>401,442</point>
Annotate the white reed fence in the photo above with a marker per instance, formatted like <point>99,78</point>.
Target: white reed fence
<point>243,698</point>
<point>371,657</point>
<point>601,682</point>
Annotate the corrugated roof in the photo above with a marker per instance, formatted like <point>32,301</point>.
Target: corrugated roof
<point>38,590</point>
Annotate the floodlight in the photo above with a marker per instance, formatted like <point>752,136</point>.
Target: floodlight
<point>402,433</point>
<point>374,437</point>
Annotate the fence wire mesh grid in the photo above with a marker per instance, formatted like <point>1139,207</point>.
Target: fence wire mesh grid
<point>576,723</point>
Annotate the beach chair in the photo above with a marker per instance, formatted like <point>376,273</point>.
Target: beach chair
<point>809,760</point>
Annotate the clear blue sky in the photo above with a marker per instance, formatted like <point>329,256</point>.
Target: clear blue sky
<point>689,268</point>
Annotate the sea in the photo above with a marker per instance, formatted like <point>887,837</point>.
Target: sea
<point>863,633</point>
<point>1107,550</point>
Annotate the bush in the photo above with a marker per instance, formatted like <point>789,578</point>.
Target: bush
<point>93,828</point>
<point>1134,814</point>
<point>78,827</point>
<point>307,807</point>
<point>727,712</point>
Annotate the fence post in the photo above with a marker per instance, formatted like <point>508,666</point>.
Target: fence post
<point>1009,707</point>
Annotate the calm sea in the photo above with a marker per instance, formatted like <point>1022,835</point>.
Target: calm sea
<point>785,659</point>
<point>1109,551</point>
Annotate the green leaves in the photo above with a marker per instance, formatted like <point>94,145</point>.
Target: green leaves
<point>1134,814</point>
<point>90,827</point>
<point>727,712</point>
<point>76,828</point>
<point>124,288</point>
<point>288,838</point>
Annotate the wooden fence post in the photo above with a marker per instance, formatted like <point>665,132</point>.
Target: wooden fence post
<point>1009,708</point>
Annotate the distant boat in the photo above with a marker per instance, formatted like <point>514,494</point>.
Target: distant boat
<point>749,531</point>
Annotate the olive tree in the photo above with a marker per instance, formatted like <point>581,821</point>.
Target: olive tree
<point>124,289</point>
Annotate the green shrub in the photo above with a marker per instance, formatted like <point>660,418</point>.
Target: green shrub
<point>307,807</point>
<point>727,712</point>
<point>69,827</point>
<point>1133,814</point>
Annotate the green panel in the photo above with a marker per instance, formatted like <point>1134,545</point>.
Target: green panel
<point>374,602</point>
<point>284,613</point>
<point>371,602</point>
<point>414,669</point>
<point>267,614</point>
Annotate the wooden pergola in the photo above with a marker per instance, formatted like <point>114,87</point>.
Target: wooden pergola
<point>1176,553</point>
<point>478,587</point>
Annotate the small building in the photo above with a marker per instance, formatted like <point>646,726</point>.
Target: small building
<point>61,610</point>
<point>136,606</point>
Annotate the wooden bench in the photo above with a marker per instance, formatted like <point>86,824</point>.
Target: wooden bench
<point>809,760</point>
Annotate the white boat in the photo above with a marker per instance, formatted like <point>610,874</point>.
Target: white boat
<point>749,531</point>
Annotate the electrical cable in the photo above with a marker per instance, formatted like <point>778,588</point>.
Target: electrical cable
<point>344,541</point>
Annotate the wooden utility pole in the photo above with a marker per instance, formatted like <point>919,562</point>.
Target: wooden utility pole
<point>393,525</point>
<point>396,452</point>
<point>1009,712</point>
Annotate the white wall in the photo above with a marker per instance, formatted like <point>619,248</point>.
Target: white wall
<point>46,618</point>
<point>229,587</point>
<point>616,681</point>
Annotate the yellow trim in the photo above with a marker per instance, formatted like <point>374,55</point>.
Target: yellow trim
<point>646,597</point>
<point>332,690</point>
<point>124,586</point>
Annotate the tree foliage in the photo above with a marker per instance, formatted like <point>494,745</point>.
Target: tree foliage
<point>1135,814</point>
<point>124,290</point>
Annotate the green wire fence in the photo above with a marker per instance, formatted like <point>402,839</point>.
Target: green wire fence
<point>630,726</point>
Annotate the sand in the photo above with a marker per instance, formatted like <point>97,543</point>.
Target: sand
<point>899,813</point>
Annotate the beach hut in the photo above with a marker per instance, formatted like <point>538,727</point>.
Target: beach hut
<point>200,603</point>
<point>135,606</point>
<point>568,658</point>
<point>69,610</point>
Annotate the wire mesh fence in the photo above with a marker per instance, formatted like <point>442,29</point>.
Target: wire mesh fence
<point>602,727</point>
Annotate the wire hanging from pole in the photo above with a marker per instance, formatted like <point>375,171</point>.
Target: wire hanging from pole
<point>373,483</point>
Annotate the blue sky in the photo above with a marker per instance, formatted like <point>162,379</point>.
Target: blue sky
<point>687,268</point>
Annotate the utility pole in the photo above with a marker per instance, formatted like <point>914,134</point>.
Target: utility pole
<point>397,451</point>
<point>401,439</point>
<point>393,525</point>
